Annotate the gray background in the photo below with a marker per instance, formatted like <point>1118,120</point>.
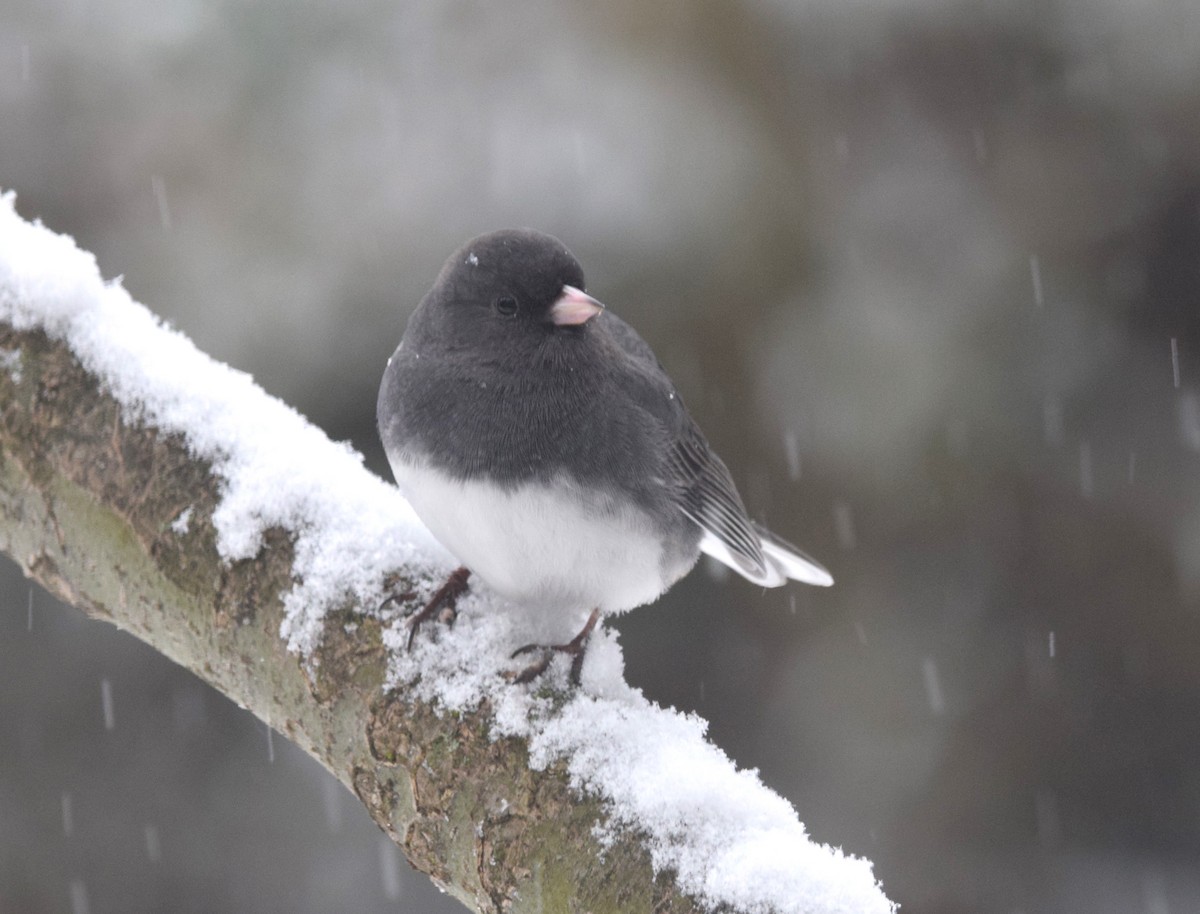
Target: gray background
<point>916,266</point>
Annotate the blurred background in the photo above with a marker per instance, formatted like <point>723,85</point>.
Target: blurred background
<point>926,271</point>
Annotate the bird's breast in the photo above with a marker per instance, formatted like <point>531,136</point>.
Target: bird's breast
<point>547,546</point>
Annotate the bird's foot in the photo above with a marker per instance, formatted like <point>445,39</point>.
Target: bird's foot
<point>442,605</point>
<point>576,648</point>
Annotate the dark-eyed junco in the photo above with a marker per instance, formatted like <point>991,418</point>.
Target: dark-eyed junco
<point>541,442</point>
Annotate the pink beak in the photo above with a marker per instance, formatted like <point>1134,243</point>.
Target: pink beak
<point>574,307</point>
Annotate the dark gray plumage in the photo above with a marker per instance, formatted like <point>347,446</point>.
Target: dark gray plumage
<point>542,442</point>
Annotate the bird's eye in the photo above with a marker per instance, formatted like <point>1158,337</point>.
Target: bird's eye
<point>506,305</point>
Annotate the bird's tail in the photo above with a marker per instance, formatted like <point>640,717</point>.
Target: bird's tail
<point>790,561</point>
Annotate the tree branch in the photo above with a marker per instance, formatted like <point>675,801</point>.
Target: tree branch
<point>87,504</point>
<point>225,522</point>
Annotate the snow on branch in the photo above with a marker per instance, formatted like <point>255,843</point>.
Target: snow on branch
<point>153,486</point>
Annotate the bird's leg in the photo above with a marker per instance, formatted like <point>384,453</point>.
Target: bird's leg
<point>575,647</point>
<point>441,604</point>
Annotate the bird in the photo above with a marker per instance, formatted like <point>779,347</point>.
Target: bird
<point>537,436</point>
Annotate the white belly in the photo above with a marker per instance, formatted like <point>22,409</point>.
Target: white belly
<point>557,548</point>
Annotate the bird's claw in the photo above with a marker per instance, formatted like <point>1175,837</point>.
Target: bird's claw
<point>534,670</point>
<point>442,605</point>
<point>576,647</point>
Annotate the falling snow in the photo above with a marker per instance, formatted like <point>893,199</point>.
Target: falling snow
<point>79,897</point>
<point>389,868</point>
<point>1189,420</point>
<point>153,844</point>
<point>68,815</point>
<point>933,686</point>
<point>791,450</point>
<point>159,186</point>
<point>843,523</point>
<point>331,802</point>
<point>1035,276</point>
<point>106,704</point>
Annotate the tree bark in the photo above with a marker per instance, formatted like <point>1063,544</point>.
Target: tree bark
<point>88,497</point>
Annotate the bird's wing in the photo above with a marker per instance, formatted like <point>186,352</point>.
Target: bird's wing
<point>704,490</point>
<point>708,497</point>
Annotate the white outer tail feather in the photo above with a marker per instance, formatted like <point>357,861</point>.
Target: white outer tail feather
<point>795,566</point>
<point>783,561</point>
